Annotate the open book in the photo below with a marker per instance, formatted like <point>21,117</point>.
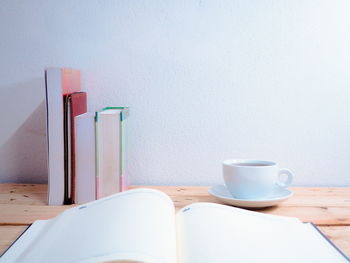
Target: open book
<point>141,226</point>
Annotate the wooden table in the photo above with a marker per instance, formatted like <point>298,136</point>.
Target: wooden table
<point>329,208</point>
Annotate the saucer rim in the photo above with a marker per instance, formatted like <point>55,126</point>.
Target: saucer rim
<point>261,200</point>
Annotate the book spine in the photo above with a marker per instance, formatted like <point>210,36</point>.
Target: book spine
<point>55,135</point>
<point>124,183</point>
<point>98,195</point>
<point>78,107</point>
<point>85,172</point>
<point>97,159</point>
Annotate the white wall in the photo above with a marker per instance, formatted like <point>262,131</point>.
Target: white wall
<point>205,80</point>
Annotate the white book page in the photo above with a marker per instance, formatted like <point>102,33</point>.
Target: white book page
<point>317,242</point>
<point>31,234</point>
<point>218,233</point>
<point>136,225</point>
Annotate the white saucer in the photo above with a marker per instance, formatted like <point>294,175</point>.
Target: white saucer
<point>278,195</point>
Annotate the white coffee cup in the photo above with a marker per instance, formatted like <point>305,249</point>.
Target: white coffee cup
<point>254,179</point>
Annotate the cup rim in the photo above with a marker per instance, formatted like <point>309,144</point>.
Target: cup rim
<point>237,162</point>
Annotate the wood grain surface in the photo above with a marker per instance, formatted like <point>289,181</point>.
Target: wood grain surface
<point>327,207</point>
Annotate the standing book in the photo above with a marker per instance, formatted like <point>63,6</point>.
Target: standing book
<point>75,105</point>
<point>85,157</point>
<point>110,150</point>
<point>141,226</point>
<point>59,82</point>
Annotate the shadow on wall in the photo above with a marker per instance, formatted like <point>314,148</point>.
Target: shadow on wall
<point>23,145</point>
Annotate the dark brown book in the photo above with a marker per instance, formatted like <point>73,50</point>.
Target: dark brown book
<point>75,104</point>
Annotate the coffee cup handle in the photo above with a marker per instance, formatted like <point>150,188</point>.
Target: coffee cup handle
<point>285,171</point>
